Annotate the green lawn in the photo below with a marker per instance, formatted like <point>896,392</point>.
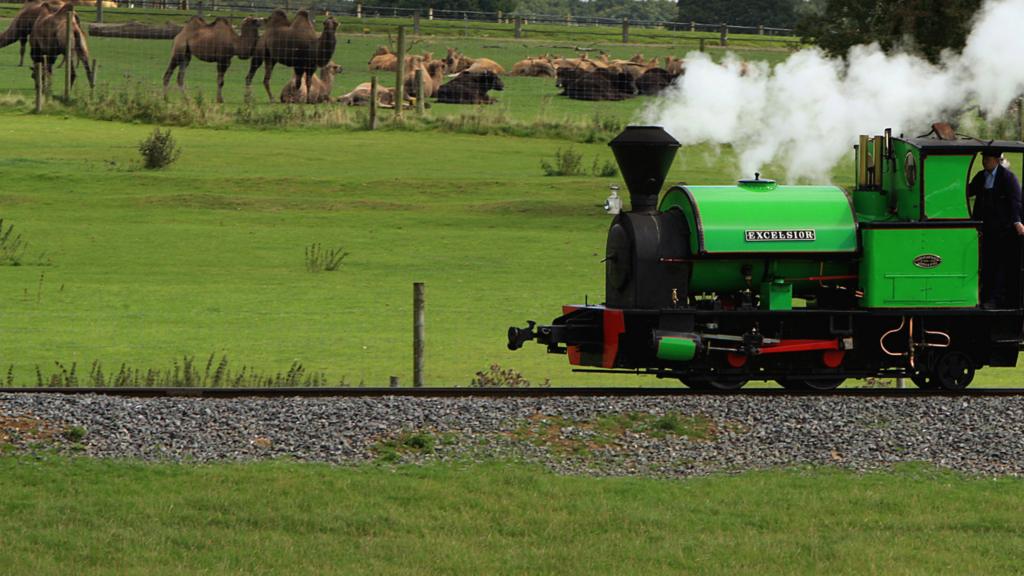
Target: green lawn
<point>61,516</point>
<point>208,256</point>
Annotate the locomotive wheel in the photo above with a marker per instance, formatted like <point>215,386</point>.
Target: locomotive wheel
<point>821,384</point>
<point>924,381</point>
<point>724,384</point>
<point>953,371</point>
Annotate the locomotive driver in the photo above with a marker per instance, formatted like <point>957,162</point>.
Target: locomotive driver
<point>998,206</point>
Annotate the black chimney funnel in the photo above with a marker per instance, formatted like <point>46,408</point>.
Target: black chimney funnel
<point>644,154</point>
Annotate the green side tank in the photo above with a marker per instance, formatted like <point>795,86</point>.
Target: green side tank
<point>778,241</point>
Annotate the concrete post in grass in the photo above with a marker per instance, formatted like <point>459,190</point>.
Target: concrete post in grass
<point>625,30</point>
<point>418,304</point>
<point>518,30</point>
<point>359,10</point>
<point>430,13</point>
<point>69,51</point>
<point>400,73</point>
<point>724,35</point>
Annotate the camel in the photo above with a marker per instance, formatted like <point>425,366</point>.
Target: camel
<point>675,66</point>
<point>294,92</point>
<point>433,77</point>
<point>484,64</point>
<point>21,25</point>
<point>360,96</point>
<point>215,42</point>
<point>295,44</point>
<point>533,67</point>
<point>48,41</point>
<point>387,61</point>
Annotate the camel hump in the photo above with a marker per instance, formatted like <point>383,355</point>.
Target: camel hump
<point>222,21</point>
<point>278,18</point>
<point>195,22</point>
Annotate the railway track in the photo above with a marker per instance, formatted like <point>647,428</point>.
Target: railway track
<point>463,392</point>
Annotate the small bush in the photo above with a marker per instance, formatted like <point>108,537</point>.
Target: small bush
<point>12,247</point>
<point>607,169</point>
<point>568,162</point>
<point>320,260</point>
<point>159,150</point>
<point>496,377</point>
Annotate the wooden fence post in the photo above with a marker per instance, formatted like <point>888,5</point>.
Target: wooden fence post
<point>418,304</point>
<point>92,85</point>
<point>499,16</point>
<point>99,11</point>
<point>393,382</point>
<point>430,13</point>
<point>724,36</point>
<point>199,8</point>
<point>625,30</point>
<point>518,27</point>
<point>701,44</point>
<point>359,10</point>
<point>693,26</point>
<point>421,98</point>
<point>760,29</point>
<point>416,22</point>
<point>39,87</point>
<point>373,102</point>
<point>69,50</point>
<point>400,73</point>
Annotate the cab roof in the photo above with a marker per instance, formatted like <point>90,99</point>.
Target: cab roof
<point>964,145</point>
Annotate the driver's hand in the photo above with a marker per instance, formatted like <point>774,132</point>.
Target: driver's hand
<point>1019,227</point>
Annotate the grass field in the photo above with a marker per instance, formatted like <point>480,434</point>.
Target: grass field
<point>81,516</point>
<point>207,257</point>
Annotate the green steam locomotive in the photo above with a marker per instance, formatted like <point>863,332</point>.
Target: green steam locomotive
<point>804,285</point>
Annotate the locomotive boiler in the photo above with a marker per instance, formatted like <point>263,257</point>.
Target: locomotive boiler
<point>803,285</point>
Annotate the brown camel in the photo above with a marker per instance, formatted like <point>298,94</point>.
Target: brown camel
<point>433,78</point>
<point>295,44</point>
<point>215,42</point>
<point>49,41</point>
<point>295,92</point>
<point>21,26</point>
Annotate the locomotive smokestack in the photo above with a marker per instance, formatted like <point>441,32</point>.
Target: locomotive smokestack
<point>644,154</point>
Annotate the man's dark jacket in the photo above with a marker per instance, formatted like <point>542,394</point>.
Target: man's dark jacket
<point>1000,208</point>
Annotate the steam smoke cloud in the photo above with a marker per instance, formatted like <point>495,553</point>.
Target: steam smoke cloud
<point>808,111</point>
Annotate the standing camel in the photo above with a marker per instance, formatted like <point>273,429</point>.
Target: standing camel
<point>295,44</point>
<point>21,26</point>
<point>49,41</point>
<point>215,42</point>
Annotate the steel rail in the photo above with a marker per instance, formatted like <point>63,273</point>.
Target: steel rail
<point>465,392</point>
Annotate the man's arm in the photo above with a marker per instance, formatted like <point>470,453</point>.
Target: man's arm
<point>1015,202</point>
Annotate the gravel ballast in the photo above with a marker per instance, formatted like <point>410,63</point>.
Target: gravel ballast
<point>735,433</point>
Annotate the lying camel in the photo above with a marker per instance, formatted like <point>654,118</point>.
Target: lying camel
<point>533,67</point>
<point>294,92</point>
<point>215,42</point>
<point>484,65</point>
<point>295,44</point>
<point>470,88</point>
<point>360,96</point>
<point>433,77</point>
<point>48,41</point>
<point>21,26</point>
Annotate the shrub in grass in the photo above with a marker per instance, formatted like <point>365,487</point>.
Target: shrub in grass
<point>12,247</point>
<point>606,169</point>
<point>159,150</point>
<point>568,162</point>
<point>497,377</point>
<point>319,259</point>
